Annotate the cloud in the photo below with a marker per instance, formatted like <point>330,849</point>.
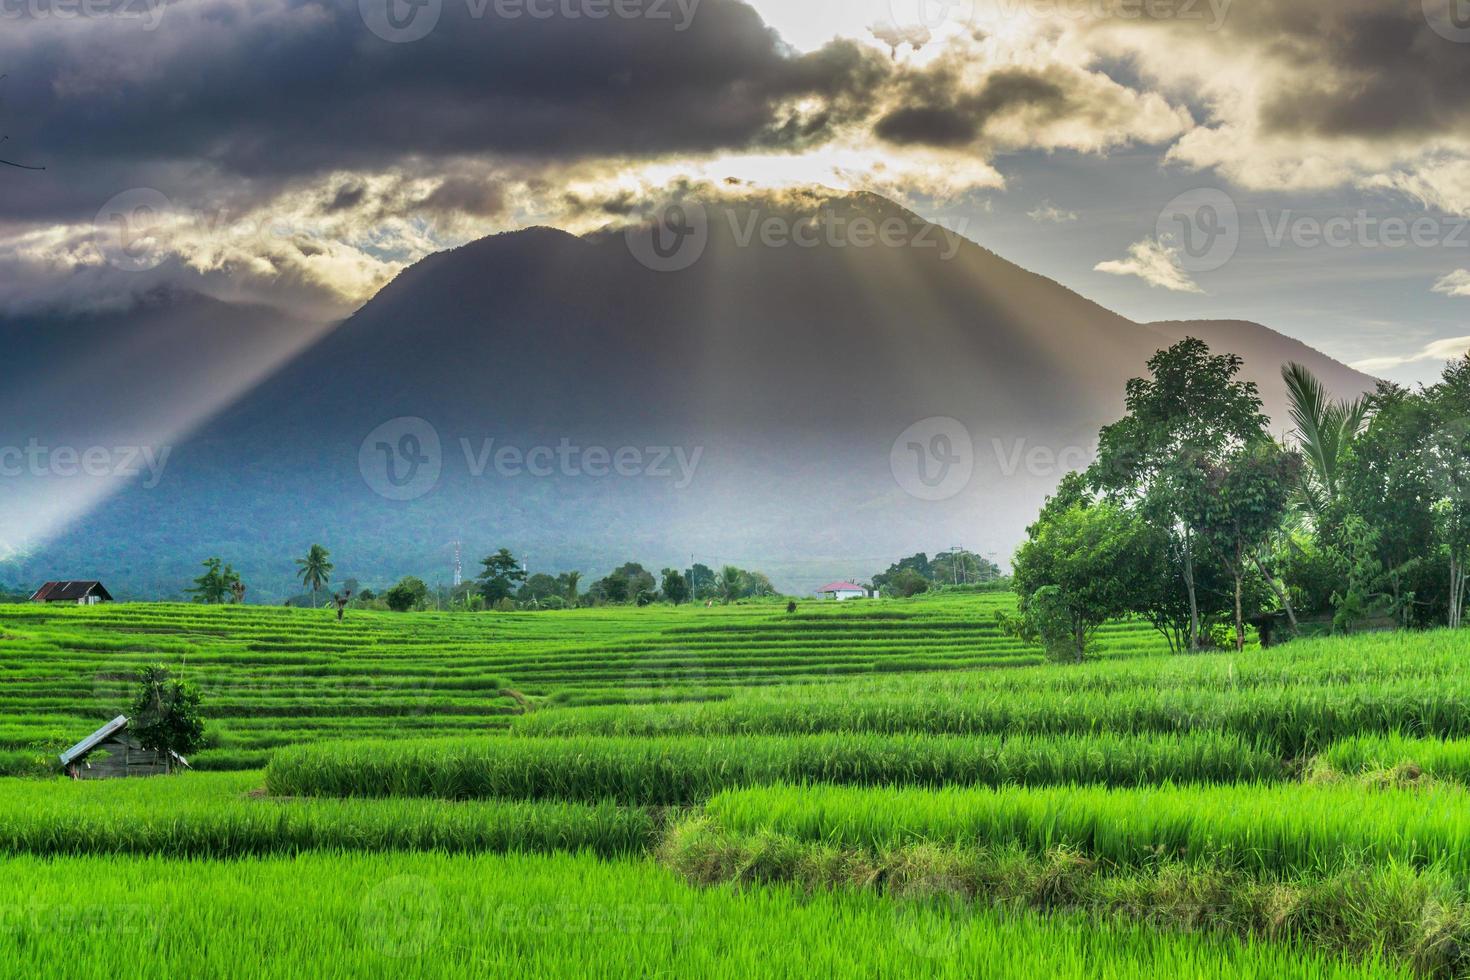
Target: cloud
<point>1009,107</point>
<point>1312,94</point>
<point>279,89</point>
<point>1154,263</point>
<point>1456,283</point>
<point>1048,213</point>
<point>1439,350</point>
<point>915,36</point>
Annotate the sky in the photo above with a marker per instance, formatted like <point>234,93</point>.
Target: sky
<point>1300,163</point>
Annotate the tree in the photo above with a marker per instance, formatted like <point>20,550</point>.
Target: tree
<point>1191,414</point>
<point>1448,466</point>
<point>701,581</point>
<point>569,581</point>
<point>500,575</point>
<point>614,588</point>
<point>731,583</point>
<point>539,588</point>
<point>1078,569</point>
<point>409,594</point>
<point>1324,432</point>
<point>961,567</point>
<point>906,583</point>
<point>217,583</point>
<point>759,585</point>
<point>165,716</point>
<point>639,579</point>
<point>1243,503</point>
<point>1387,556</point>
<point>918,564</point>
<point>675,586</point>
<point>315,570</point>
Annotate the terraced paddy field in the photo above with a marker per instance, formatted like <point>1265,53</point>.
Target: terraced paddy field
<point>886,789</point>
<point>274,676</point>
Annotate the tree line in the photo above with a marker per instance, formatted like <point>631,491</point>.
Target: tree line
<point>502,584</point>
<point>917,574</point>
<point>1196,519</point>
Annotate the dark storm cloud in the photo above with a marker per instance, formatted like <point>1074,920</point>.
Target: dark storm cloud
<point>278,89</point>
<point>1389,75</point>
<point>1366,69</point>
<point>465,195</point>
<point>929,126</point>
<point>945,117</point>
<point>348,196</point>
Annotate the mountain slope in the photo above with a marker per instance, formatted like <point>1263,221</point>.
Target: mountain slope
<point>765,406</point>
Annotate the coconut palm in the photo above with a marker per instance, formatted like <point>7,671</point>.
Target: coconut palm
<point>1324,431</point>
<point>315,570</point>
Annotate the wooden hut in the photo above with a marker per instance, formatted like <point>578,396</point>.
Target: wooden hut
<point>110,752</point>
<point>75,592</point>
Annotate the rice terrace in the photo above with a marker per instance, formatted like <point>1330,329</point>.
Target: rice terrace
<point>888,788</point>
<point>734,489</point>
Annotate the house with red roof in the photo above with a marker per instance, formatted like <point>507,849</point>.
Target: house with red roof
<point>841,591</point>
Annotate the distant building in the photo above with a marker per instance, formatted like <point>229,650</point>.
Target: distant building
<point>77,593</point>
<point>842,590</point>
<point>110,753</point>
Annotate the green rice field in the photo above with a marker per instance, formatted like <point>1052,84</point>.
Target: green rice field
<point>883,788</point>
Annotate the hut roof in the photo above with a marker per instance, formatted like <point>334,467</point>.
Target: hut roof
<point>95,739</point>
<point>71,591</point>
<point>113,727</point>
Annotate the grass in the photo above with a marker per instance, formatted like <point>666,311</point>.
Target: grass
<point>1282,829</point>
<point>847,789</point>
<point>436,915</point>
<point>1397,757</point>
<point>1363,911</point>
<point>271,676</point>
<point>1295,700</point>
<point>687,770</point>
<point>215,815</point>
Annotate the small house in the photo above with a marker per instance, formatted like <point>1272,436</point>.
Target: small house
<point>76,593</point>
<point>841,591</point>
<point>110,752</point>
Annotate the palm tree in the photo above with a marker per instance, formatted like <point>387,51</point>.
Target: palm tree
<point>573,580</point>
<point>1324,431</point>
<point>315,570</point>
<point>731,583</point>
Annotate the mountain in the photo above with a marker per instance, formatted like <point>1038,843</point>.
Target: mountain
<point>773,405</point>
<point>95,403</point>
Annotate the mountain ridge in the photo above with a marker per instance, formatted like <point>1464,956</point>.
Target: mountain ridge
<point>793,375</point>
